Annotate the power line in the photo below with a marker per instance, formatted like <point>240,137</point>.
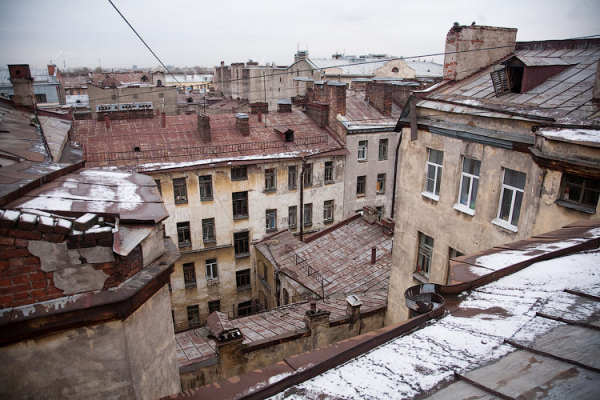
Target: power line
<point>145,44</point>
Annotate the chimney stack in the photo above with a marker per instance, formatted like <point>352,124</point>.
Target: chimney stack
<point>157,112</point>
<point>163,120</point>
<point>51,69</point>
<point>22,82</point>
<point>204,127</point>
<point>380,96</point>
<point>370,214</point>
<point>259,116</point>
<point>106,121</point>
<point>461,60</point>
<point>596,89</point>
<point>373,255</point>
<point>255,108</point>
<point>242,122</point>
<point>284,105</point>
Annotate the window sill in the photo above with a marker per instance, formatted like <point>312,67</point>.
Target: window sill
<point>242,255</point>
<point>361,195</point>
<point>212,280</point>
<point>361,161</point>
<point>328,221</point>
<point>240,217</point>
<point>430,195</point>
<point>184,246</point>
<point>292,187</point>
<point>271,230</point>
<point>190,285</point>
<point>383,159</point>
<point>206,199</point>
<point>576,206</point>
<point>308,225</point>
<point>420,277</point>
<point>329,182</point>
<point>181,202</point>
<point>292,226</point>
<point>242,288</point>
<point>239,179</point>
<point>464,209</point>
<point>210,241</point>
<point>381,192</point>
<point>270,190</point>
<point>503,224</point>
<point>307,185</point>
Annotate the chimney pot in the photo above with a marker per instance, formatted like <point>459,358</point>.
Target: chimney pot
<point>313,305</point>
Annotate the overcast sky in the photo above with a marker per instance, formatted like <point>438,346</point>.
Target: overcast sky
<point>195,32</point>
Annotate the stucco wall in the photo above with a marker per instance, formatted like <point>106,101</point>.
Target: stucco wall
<point>167,103</point>
<point>131,359</point>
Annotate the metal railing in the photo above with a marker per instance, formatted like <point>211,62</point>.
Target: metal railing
<point>204,150</point>
<point>304,264</point>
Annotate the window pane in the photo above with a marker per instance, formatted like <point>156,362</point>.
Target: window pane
<point>474,193</point>
<point>430,178</point>
<point>438,180</point>
<point>517,209</point>
<point>505,204</point>
<point>464,193</point>
<point>471,166</point>
<point>514,178</point>
<point>436,156</point>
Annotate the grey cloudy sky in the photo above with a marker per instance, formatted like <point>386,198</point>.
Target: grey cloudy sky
<point>188,32</point>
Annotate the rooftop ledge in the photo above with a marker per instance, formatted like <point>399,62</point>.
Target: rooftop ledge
<point>117,303</point>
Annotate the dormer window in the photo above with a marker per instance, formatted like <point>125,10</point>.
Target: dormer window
<point>144,78</point>
<point>159,83</point>
<point>523,73</point>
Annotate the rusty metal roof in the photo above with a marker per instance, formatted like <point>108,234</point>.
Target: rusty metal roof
<point>179,145</point>
<point>132,197</point>
<point>565,97</point>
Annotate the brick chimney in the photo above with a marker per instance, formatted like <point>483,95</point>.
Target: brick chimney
<point>284,105</point>
<point>204,127</point>
<point>242,122</point>
<point>318,112</point>
<point>106,120</point>
<point>461,61</point>
<point>255,108</point>
<point>336,97</point>
<point>380,96</point>
<point>163,120</point>
<point>51,69</point>
<point>22,82</point>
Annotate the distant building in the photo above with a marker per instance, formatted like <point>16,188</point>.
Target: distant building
<point>505,148</point>
<point>47,85</point>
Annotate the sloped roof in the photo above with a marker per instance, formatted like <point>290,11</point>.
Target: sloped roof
<point>564,98</point>
<point>179,144</point>
<point>367,66</point>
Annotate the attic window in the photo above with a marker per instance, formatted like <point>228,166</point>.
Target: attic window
<point>144,78</point>
<point>289,135</point>
<point>500,81</point>
<point>395,69</point>
<point>136,149</point>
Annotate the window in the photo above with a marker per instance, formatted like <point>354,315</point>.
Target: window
<point>240,205</point>
<point>40,98</point>
<point>328,211</point>
<point>292,176</point>
<point>286,297</point>
<point>271,217</point>
<point>244,308</point>
<point>395,69</point>
<point>214,306</point>
<point>208,230</point>
<point>292,214</point>
<point>144,78</point>
<point>579,193</point>
<point>189,274</point>
<point>239,173</point>
<point>157,181</point>
<point>361,183</point>
<point>240,240</point>
<point>212,271</point>
<point>193,313</point>
<point>308,175</point>
<point>183,234</point>
<point>425,254</point>
<point>113,97</point>
<point>242,279</point>
<point>469,183</point>
<point>379,213</point>
<point>383,149</point>
<point>362,150</point>
<point>190,100</point>
<point>511,197</point>
<point>307,214</point>
<point>434,174</point>
<point>206,192</point>
<point>270,179</point>
<point>159,83</point>
<point>380,183</point>
<point>180,191</point>
<point>161,95</point>
<point>329,172</point>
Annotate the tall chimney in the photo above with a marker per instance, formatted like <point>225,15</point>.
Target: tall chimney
<point>163,120</point>
<point>242,122</point>
<point>204,127</point>
<point>106,121</point>
<point>158,112</point>
<point>22,82</point>
<point>51,69</point>
<point>259,116</point>
<point>465,49</point>
<point>373,255</point>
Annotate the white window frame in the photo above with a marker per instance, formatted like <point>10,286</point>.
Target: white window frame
<point>363,150</point>
<point>513,190</point>
<point>271,220</point>
<point>437,176</point>
<point>425,253</point>
<point>472,178</point>
<point>383,149</point>
<point>212,269</point>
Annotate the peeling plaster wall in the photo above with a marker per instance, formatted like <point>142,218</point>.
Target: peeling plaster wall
<point>131,359</point>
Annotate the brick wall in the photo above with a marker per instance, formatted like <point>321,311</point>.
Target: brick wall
<point>380,96</point>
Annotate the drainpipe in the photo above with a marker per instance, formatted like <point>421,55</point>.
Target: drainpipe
<point>395,173</point>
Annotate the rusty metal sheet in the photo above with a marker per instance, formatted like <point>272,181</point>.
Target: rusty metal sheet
<point>218,322</point>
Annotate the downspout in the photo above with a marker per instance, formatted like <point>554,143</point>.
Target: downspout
<point>301,222</point>
<point>395,173</point>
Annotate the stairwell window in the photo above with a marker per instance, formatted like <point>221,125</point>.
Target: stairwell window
<point>240,205</point>
<point>212,271</point>
<point>308,175</point>
<point>241,244</point>
<point>292,216</point>
<point>189,274</point>
<point>433,172</point>
<point>328,211</point>
<point>511,198</point>
<point>242,279</point>
<point>208,230</point>
<point>307,214</point>
<point>206,192</point>
<point>292,176</point>
<point>271,219</point>
<point>239,173</point>
<point>380,183</point>
<point>329,172</point>
<point>361,184</point>
<point>183,234</point>
<point>270,180</point>
<point>469,184</point>
<point>425,254</point>
<point>383,149</point>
